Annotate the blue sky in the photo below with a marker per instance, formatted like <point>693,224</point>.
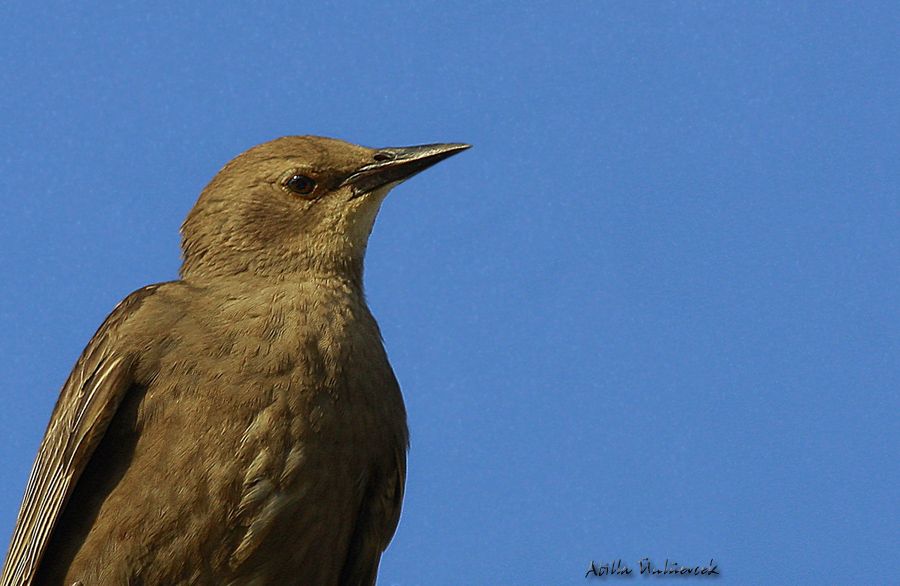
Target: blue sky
<point>653,312</point>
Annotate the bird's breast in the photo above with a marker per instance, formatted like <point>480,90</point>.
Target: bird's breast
<point>293,400</point>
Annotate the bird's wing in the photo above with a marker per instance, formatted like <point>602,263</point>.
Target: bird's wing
<point>375,524</point>
<point>86,404</point>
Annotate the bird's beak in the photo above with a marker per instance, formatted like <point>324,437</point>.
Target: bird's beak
<point>396,164</point>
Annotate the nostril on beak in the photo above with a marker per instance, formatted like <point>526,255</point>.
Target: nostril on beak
<point>384,156</point>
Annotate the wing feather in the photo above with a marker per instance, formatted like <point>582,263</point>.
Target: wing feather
<point>376,523</point>
<point>87,403</point>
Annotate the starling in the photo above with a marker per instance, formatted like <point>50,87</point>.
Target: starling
<point>241,425</point>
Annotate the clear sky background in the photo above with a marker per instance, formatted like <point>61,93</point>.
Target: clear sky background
<point>653,312</point>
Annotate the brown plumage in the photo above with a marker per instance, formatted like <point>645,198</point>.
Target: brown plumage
<point>241,425</point>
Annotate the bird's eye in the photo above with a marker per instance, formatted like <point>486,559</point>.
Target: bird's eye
<point>300,184</point>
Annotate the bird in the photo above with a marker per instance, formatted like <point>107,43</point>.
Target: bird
<point>240,425</point>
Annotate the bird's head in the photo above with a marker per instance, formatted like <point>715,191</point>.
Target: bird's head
<point>298,204</point>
